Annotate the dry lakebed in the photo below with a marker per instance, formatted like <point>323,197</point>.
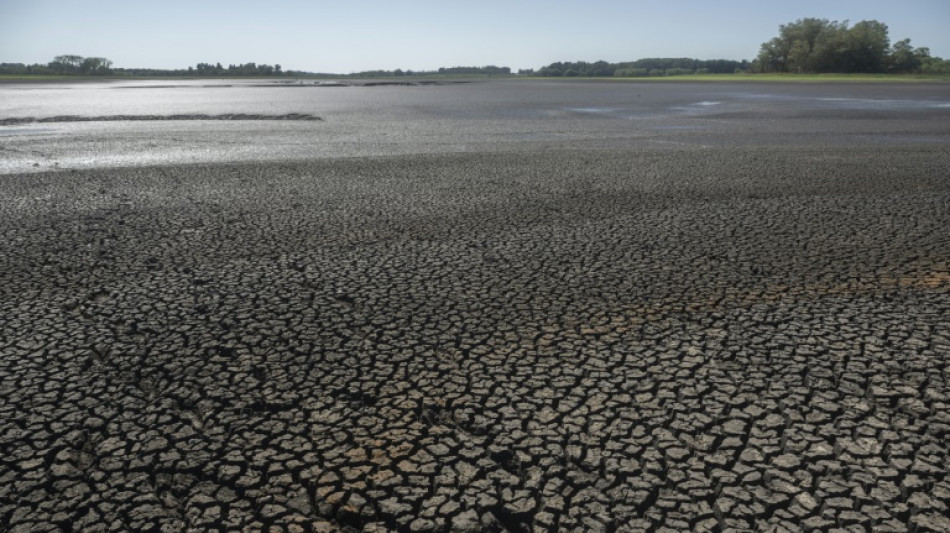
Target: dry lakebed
<point>515,305</point>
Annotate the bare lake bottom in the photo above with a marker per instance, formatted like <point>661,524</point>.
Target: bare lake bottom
<point>505,305</point>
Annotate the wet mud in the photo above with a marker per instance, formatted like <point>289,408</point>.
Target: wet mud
<point>13,121</point>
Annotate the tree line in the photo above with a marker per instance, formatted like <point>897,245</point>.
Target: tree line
<point>808,45</point>
<point>822,46</point>
<point>490,70</point>
<point>207,69</point>
<point>70,64</point>
<point>64,64</point>
<point>100,66</point>
<point>659,66</point>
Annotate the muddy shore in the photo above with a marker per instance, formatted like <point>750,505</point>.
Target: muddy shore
<point>596,340</point>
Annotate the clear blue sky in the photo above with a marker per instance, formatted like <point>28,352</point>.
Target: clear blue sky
<point>345,36</point>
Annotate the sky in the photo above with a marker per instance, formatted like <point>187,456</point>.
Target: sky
<point>344,36</point>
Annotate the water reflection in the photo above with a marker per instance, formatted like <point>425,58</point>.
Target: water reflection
<point>438,118</point>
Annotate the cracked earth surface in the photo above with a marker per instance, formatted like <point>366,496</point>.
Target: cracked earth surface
<point>575,341</point>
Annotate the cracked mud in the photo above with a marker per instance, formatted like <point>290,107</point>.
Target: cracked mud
<point>590,341</point>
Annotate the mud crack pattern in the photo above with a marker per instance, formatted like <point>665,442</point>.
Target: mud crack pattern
<point>605,341</point>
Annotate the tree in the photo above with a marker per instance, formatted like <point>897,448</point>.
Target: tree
<point>66,64</point>
<point>75,64</point>
<point>932,65</point>
<point>95,65</point>
<point>820,45</point>
<point>813,42</point>
<point>904,58</point>
<point>868,45</point>
<point>801,46</point>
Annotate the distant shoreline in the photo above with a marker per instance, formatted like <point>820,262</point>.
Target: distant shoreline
<point>766,78</point>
